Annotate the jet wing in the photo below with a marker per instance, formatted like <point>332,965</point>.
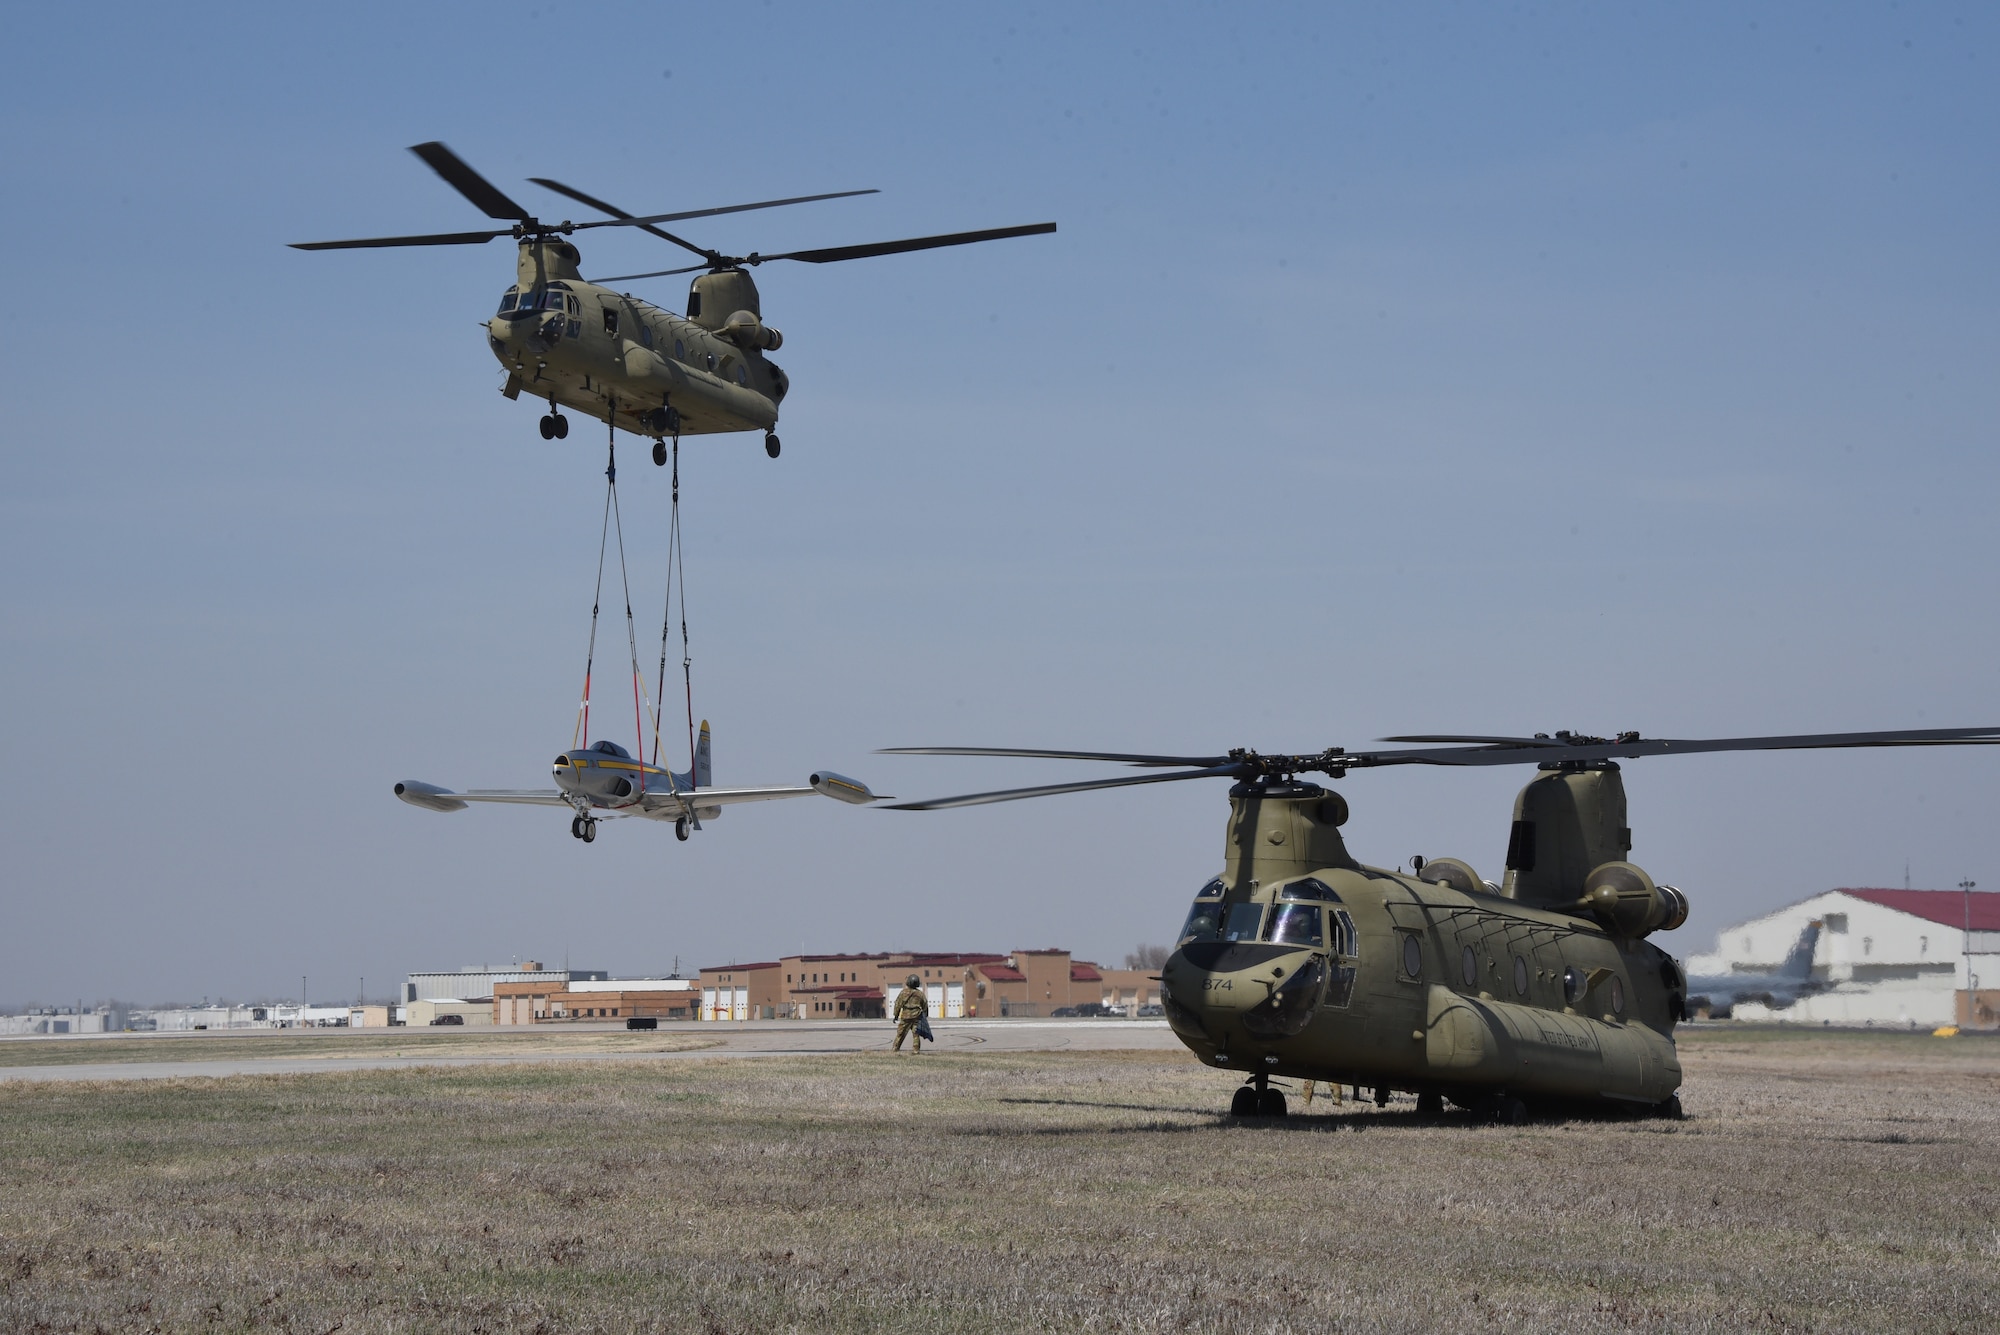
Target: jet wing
<point>825,783</point>
<point>433,798</point>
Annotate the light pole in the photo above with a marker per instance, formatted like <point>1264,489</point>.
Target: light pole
<point>1971,983</point>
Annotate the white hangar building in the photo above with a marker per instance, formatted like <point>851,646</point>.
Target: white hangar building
<point>1886,957</point>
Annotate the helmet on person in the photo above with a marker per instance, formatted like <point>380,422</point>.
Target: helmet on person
<point>913,981</point>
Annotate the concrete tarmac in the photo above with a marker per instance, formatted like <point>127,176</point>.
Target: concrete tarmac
<point>753,1038</point>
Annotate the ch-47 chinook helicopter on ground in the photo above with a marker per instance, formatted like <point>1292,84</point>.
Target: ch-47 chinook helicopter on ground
<point>1300,961</point>
<point>604,779</point>
<point>576,343</point>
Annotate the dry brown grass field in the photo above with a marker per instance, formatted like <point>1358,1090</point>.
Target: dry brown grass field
<point>1821,1182</point>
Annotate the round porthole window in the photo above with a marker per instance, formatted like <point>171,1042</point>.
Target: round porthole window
<point>680,351</point>
<point>1468,964</point>
<point>1575,981</point>
<point>1521,975</point>
<point>1413,957</point>
<point>711,361</point>
<point>1617,996</point>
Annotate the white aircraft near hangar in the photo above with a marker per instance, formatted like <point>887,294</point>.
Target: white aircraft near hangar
<point>604,780</point>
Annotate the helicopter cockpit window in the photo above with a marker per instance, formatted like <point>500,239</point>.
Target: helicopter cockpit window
<point>1242,922</point>
<point>1309,888</point>
<point>1204,921</point>
<point>1296,925</point>
<point>508,298</point>
<point>645,333</point>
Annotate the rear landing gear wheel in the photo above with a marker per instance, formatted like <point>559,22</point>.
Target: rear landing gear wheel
<point>1671,1109</point>
<point>1243,1103</point>
<point>681,829</point>
<point>1430,1104</point>
<point>562,427</point>
<point>771,446</point>
<point>1270,1103</point>
<point>548,427</point>
<point>659,454</point>
<point>1510,1111</point>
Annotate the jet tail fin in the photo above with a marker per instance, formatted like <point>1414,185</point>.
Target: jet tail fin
<point>1799,963</point>
<point>704,766</point>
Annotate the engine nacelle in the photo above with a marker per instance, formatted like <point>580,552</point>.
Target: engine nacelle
<point>844,789</point>
<point>746,330</point>
<point>428,796</point>
<point>1625,900</point>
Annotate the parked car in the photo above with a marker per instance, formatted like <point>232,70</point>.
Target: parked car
<point>1063,1013</point>
<point>1093,1008</point>
<point>449,1019</point>
<point>1152,1011</point>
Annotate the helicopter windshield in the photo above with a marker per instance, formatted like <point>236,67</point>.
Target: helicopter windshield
<point>508,298</point>
<point>1296,925</point>
<point>1242,922</point>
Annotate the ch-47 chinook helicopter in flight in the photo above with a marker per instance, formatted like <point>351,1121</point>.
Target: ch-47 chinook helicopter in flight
<point>604,779</point>
<point>1300,961</point>
<point>576,343</point>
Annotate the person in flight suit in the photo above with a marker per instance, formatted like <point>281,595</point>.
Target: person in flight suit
<point>908,1013</point>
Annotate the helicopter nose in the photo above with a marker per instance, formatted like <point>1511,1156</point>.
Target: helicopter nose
<point>1267,989</point>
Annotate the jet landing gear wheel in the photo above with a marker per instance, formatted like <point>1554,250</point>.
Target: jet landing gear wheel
<point>771,446</point>
<point>659,454</point>
<point>589,830</point>
<point>583,827</point>
<point>576,827</point>
<point>681,829</point>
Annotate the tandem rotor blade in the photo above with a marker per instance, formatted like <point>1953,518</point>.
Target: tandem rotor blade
<point>1201,762</point>
<point>433,239</point>
<point>617,212</point>
<point>485,196</point>
<point>1050,790</point>
<point>1536,751</point>
<point>831,254</point>
<point>656,273</point>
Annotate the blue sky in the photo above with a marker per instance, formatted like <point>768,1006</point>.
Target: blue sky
<point>1447,368</point>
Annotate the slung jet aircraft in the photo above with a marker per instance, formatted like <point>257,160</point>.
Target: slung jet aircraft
<point>604,779</point>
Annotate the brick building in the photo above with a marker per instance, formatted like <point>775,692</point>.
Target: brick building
<point>545,1001</point>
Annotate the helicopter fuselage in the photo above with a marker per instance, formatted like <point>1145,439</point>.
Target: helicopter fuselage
<point>611,356</point>
<point>1299,961</point>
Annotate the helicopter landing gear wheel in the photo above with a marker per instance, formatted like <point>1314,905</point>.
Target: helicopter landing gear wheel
<point>1270,1103</point>
<point>771,446</point>
<point>1243,1103</point>
<point>659,454</point>
<point>562,427</point>
<point>681,829</point>
<point>1505,1110</point>
<point>548,427</point>
<point>1430,1104</point>
<point>1671,1109</point>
